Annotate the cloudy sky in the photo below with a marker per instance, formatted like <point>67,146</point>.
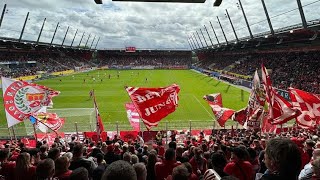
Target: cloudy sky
<point>145,25</point>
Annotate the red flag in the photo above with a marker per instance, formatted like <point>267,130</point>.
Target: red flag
<point>267,127</point>
<point>221,114</point>
<point>100,127</point>
<point>279,109</point>
<point>240,116</point>
<point>133,116</point>
<point>153,104</point>
<point>308,105</point>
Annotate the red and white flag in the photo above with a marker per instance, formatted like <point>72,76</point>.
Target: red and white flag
<point>46,121</point>
<point>279,109</point>
<point>133,116</point>
<point>21,99</point>
<point>255,103</point>
<point>267,127</point>
<point>222,114</point>
<point>308,105</point>
<point>240,116</point>
<point>154,104</point>
<point>99,124</point>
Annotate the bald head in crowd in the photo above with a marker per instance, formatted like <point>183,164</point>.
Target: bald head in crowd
<point>119,170</point>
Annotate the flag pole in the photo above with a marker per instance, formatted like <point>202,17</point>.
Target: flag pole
<point>14,134</point>
<point>48,127</point>
<point>35,133</point>
<point>95,108</point>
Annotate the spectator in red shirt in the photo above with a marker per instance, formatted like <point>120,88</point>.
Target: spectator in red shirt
<point>24,169</point>
<point>164,169</point>
<point>6,167</point>
<point>192,176</point>
<point>239,167</point>
<point>198,162</point>
<point>62,172</point>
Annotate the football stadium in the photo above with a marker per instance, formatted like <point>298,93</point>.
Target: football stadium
<point>173,89</point>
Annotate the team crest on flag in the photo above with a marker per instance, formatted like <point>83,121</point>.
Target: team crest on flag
<point>154,104</point>
<point>22,99</point>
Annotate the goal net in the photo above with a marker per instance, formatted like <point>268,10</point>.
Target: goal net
<point>81,118</point>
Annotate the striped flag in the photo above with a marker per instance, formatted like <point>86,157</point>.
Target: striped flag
<point>100,127</point>
<point>133,116</point>
<point>279,109</point>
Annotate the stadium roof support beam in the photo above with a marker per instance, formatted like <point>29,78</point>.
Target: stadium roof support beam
<point>214,33</point>
<point>2,15</point>
<point>92,42</point>
<point>97,43</point>
<point>85,46</point>
<point>268,18</point>
<point>74,37</point>
<point>204,38</point>
<point>234,31</point>
<point>44,21</point>
<point>54,34</point>
<point>245,18</point>
<point>225,37</point>
<point>200,39</point>
<point>65,36</point>
<point>303,18</point>
<point>196,41</point>
<point>190,45</point>
<point>81,39</point>
<point>24,26</point>
<point>195,45</point>
<point>208,34</point>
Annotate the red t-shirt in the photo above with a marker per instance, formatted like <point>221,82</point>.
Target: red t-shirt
<point>8,169</point>
<point>195,165</point>
<point>30,174</point>
<point>64,176</point>
<point>241,170</point>
<point>164,169</point>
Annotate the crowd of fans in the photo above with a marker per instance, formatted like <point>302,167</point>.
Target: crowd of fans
<point>226,154</point>
<point>160,58</point>
<point>296,69</point>
<point>26,64</point>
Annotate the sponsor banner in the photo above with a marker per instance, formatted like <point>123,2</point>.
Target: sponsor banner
<point>143,67</point>
<point>28,78</point>
<point>62,73</point>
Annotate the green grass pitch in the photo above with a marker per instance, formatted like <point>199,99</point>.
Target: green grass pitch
<point>111,97</point>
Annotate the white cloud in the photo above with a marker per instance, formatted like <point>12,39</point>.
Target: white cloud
<point>144,25</point>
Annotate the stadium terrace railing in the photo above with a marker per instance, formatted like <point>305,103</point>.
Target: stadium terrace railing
<point>185,125</point>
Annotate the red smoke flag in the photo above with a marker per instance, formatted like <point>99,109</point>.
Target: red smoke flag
<point>255,103</point>
<point>21,99</point>
<point>133,116</point>
<point>221,114</point>
<point>153,104</point>
<point>308,105</point>
<point>100,127</point>
<point>279,109</point>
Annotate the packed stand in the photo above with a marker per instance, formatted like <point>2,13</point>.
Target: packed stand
<point>147,58</point>
<point>228,154</point>
<point>16,64</point>
<point>296,69</point>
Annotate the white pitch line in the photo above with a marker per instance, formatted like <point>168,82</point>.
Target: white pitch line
<point>203,107</point>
